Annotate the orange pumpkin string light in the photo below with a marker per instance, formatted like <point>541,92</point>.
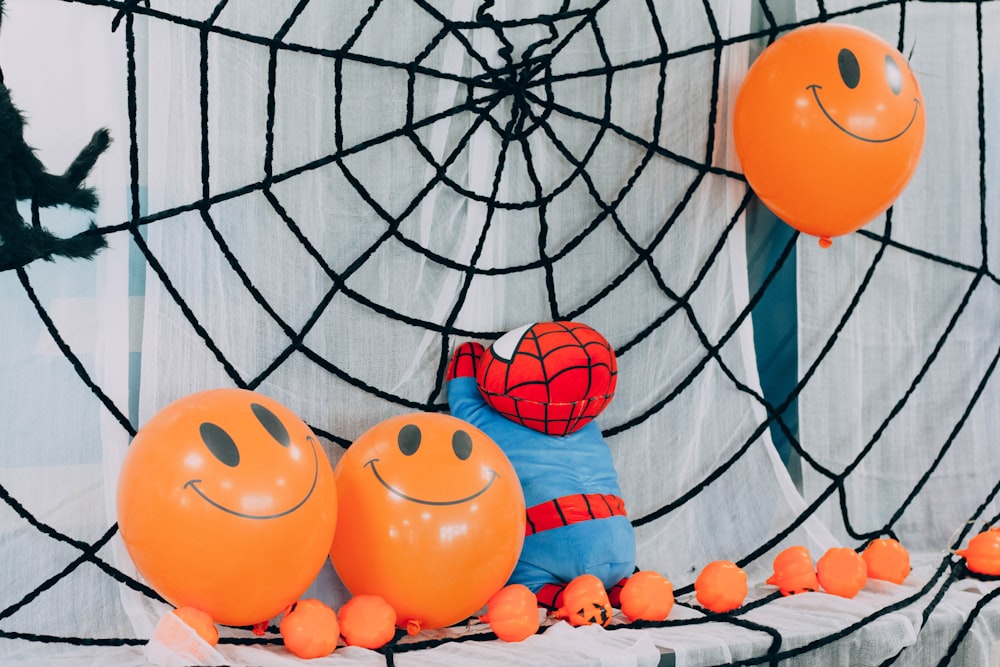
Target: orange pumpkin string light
<point>647,596</point>
<point>887,560</point>
<point>982,556</point>
<point>512,613</point>
<point>842,571</point>
<point>794,572</point>
<point>721,586</point>
<point>310,629</point>
<point>200,622</point>
<point>585,602</point>
<point>367,621</point>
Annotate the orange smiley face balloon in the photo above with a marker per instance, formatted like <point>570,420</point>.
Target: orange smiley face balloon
<point>829,126</point>
<point>432,518</point>
<point>226,503</point>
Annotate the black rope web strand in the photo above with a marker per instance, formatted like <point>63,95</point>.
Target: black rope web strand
<point>512,99</point>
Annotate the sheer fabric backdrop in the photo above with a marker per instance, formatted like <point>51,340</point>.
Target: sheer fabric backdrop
<point>659,456</point>
<point>430,162</point>
<point>57,467</point>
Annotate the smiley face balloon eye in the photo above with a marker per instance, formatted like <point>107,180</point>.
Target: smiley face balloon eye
<point>408,439</point>
<point>461,444</point>
<point>220,444</point>
<point>893,75</point>
<point>850,70</point>
<point>272,424</point>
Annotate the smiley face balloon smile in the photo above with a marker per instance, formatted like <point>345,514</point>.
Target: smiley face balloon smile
<point>408,441</point>
<point>193,484</point>
<point>421,501</point>
<point>916,109</point>
<point>829,126</point>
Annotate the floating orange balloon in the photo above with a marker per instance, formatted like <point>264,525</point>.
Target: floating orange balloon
<point>983,553</point>
<point>721,586</point>
<point>512,613</point>
<point>226,502</point>
<point>842,571</point>
<point>887,560</point>
<point>436,518</point>
<point>200,622</point>
<point>794,572</point>
<point>647,596</point>
<point>829,126</point>
<point>367,621</point>
<point>310,629</point>
<point>585,601</point>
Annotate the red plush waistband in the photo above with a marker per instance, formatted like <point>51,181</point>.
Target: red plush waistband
<point>572,509</point>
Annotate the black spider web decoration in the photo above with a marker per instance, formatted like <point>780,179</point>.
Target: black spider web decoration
<point>515,98</point>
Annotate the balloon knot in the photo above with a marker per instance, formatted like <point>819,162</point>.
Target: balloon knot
<point>412,627</point>
<point>260,628</point>
<point>825,242</point>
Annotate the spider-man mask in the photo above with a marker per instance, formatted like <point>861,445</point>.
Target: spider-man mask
<point>553,377</point>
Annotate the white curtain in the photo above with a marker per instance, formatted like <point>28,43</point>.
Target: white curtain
<point>58,462</point>
<point>441,203</point>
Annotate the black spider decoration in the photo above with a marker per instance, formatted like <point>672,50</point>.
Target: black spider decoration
<point>23,177</point>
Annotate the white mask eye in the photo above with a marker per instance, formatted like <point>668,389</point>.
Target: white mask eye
<point>505,346</point>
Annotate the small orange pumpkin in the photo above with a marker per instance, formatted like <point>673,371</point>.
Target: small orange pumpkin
<point>512,613</point>
<point>794,572</point>
<point>310,629</point>
<point>200,622</point>
<point>842,571</point>
<point>721,586</point>
<point>367,621</point>
<point>887,560</point>
<point>647,596</point>
<point>983,553</point>
<point>585,602</point>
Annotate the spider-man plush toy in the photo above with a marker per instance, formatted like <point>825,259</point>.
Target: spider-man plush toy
<point>535,392</point>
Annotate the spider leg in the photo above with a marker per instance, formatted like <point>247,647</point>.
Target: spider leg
<point>32,181</point>
<point>27,244</point>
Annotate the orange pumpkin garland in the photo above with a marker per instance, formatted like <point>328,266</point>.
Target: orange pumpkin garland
<point>200,622</point>
<point>512,613</point>
<point>310,629</point>
<point>887,560</point>
<point>647,596</point>
<point>794,572</point>
<point>367,621</point>
<point>721,586</point>
<point>842,571</point>
<point>983,553</point>
<point>585,602</point>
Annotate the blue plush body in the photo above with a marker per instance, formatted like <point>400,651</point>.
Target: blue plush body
<point>551,467</point>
